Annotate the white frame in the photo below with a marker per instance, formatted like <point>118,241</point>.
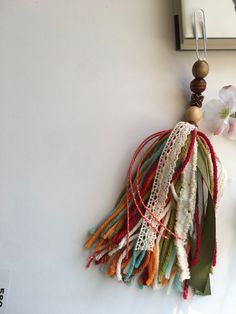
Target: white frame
<point>184,42</point>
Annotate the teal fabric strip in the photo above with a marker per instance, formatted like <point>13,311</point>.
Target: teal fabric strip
<point>133,261</point>
<point>140,259</point>
<point>170,263</point>
<point>177,283</point>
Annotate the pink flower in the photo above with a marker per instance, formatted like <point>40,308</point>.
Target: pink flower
<point>220,114</point>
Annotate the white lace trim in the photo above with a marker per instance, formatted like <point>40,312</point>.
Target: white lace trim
<point>161,184</point>
<point>185,212</point>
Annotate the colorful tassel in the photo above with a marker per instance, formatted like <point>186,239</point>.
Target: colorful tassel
<point>158,226</point>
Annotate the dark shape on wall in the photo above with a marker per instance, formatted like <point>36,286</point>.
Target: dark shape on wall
<point>234,1</point>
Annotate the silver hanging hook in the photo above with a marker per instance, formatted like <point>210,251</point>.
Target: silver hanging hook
<point>204,36</point>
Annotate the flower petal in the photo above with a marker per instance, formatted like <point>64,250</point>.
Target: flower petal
<point>231,130</point>
<point>212,108</point>
<point>216,115</point>
<point>227,95</point>
<point>220,128</point>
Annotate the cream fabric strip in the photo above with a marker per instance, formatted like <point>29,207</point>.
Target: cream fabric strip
<point>222,178</point>
<point>185,212</point>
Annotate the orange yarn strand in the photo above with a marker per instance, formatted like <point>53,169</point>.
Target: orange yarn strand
<point>103,226</point>
<point>109,232</point>
<point>112,269</point>
<point>99,245</point>
<point>153,268</point>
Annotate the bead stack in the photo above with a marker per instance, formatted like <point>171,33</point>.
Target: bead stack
<point>198,85</point>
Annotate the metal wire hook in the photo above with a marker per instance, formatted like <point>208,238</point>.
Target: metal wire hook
<point>204,36</point>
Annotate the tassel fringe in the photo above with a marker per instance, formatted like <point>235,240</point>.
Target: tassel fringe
<point>162,229</point>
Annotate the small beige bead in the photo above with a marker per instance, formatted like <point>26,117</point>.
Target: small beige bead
<point>193,114</point>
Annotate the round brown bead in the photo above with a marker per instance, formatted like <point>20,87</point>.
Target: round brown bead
<point>200,69</point>
<point>193,114</point>
<point>198,86</point>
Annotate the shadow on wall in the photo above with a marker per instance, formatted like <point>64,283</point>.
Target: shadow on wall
<point>234,1</point>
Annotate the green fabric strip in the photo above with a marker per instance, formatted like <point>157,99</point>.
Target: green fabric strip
<point>207,289</point>
<point>202,166</point>
<point>200,273</point>
<point>166,247</point>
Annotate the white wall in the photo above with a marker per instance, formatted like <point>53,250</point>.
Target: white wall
<point>81,83</point>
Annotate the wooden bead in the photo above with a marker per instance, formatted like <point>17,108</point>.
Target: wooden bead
<point>193,114</point>
<point>200,69</point>
<point>196,100</point>
<point>198,86</point>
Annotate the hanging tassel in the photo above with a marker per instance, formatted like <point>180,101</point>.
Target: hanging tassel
<point>162,229</point>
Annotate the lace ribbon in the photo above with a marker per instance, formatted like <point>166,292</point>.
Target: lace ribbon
<point>161,184</point>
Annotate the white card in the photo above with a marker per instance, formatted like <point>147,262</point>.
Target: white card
<point>4,289</point>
